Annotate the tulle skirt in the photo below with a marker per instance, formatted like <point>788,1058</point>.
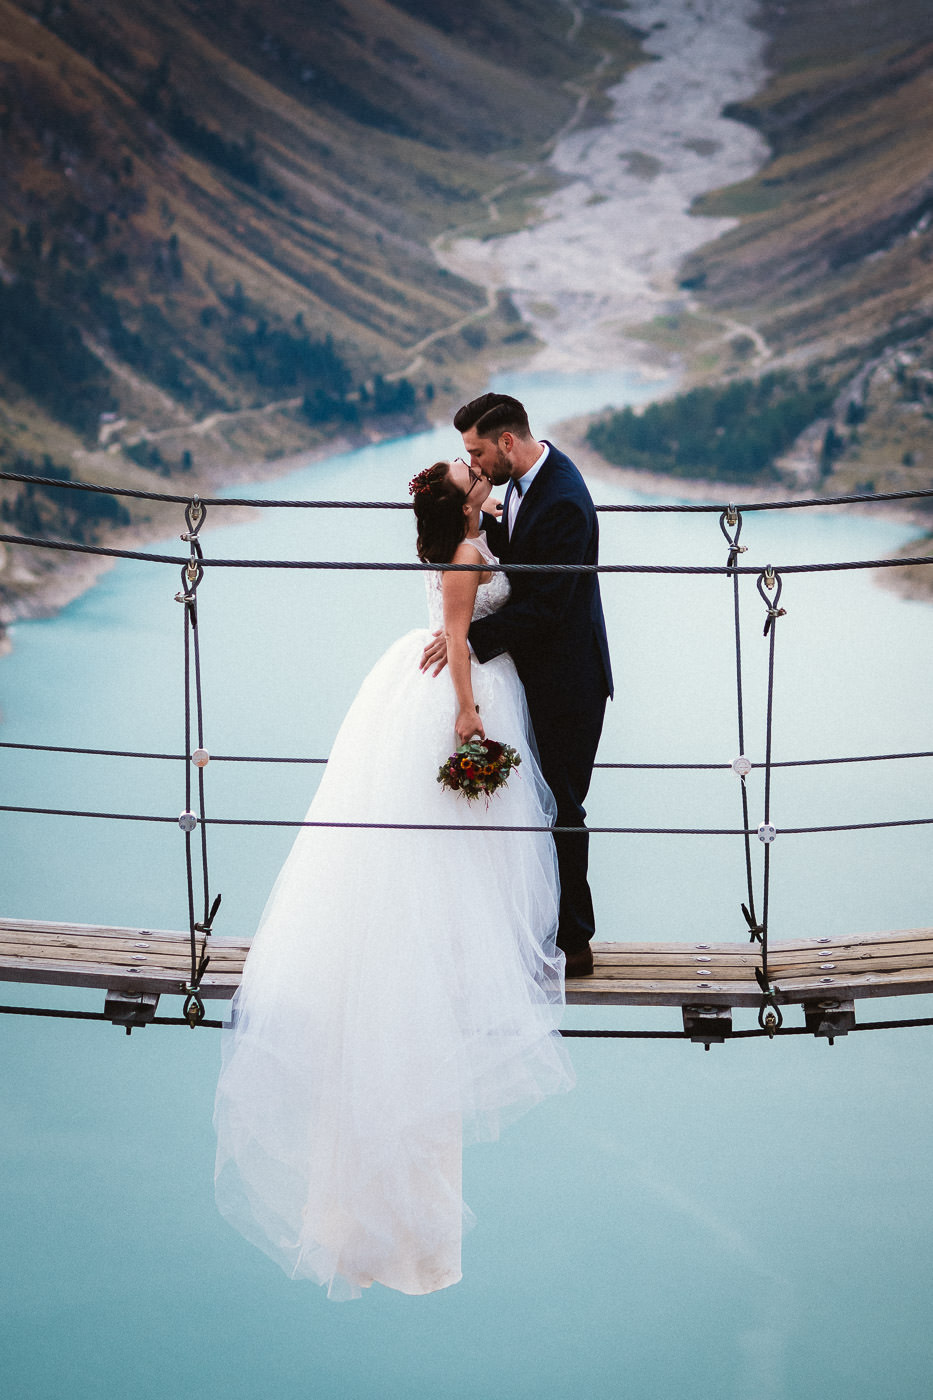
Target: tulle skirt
<point>401,995</point>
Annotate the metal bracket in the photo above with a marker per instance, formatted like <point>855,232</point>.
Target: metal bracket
<point>707,1025</point>
<point>130,1009</point>
<point>829,1018</point>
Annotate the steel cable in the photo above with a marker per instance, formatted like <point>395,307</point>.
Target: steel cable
<point>731,519</point>
<point>634,508</point>
<point>720,767</point>
<point>290,823</point>
<point>569,1033</point>
<point>406,566</point>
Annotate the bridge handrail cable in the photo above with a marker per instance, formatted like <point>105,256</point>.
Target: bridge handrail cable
<point>633,508</point>
<point>769,586</point>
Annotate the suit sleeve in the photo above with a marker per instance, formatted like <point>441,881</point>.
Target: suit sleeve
<point>495,536</point>
<point>562,537</point>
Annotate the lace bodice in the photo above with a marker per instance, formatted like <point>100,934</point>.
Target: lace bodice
<point>489,596</point>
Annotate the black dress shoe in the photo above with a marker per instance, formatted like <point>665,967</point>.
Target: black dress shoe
<point>579,964</point>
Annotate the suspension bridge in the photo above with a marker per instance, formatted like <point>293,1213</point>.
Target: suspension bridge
<point>135,967</point>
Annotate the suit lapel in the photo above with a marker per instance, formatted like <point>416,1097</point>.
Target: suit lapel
<point>529,500</point>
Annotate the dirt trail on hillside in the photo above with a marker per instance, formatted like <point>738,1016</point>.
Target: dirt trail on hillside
<point>605,253</point>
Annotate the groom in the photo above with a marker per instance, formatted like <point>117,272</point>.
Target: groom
<point>552,627</point>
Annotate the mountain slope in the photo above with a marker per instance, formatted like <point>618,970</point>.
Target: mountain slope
<point>832,257</point>
<point>216,225</point>
<point>178,176</point>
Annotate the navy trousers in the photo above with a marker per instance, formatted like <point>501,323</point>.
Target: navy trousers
<point>567,746</point>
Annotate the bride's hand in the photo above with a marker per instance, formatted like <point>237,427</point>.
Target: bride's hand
<point>469,725</point>
<point>491,507</point>
<point>435,654</point>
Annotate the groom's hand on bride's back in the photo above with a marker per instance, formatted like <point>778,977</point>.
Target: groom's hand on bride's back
<point>435,654</point>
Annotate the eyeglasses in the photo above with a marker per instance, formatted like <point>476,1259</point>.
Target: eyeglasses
<point>475,476</point>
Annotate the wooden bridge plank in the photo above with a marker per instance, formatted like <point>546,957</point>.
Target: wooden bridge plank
<point>118,959</point>
<point>97,950</point>
<point>634,974</point>
<point>116,978</point>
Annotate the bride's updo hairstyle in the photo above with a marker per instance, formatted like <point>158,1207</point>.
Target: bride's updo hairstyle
<point>438,504</point>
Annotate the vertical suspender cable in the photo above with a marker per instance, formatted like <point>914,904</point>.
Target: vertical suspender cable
<point>769,1015</point>
<point>731,519</point>
<point>192,574</point>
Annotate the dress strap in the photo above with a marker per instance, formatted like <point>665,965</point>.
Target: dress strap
<point>481,545</point>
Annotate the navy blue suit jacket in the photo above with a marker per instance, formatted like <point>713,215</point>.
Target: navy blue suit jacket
<point>553,625</point>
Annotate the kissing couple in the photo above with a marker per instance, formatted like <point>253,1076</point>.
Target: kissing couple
<point>404,989</point>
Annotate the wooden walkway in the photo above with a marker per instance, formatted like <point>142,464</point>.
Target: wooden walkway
<point>723,974</point>
<point>706,981</point>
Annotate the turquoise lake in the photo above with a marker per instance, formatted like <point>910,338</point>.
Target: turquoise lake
<point>749,1224</point>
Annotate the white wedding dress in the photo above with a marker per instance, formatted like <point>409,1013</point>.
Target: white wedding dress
<point>402,992</point>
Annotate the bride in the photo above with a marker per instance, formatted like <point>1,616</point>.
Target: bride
<point>404,987</point>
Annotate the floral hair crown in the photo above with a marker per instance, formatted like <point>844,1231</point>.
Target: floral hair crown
<point>421,483</point>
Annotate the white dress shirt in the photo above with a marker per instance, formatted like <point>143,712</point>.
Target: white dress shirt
<point>520,486</point>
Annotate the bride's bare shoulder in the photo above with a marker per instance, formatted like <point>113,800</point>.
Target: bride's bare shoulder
<point>467,553</point>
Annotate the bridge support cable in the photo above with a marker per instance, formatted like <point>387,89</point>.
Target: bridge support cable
<point>191,577</point>
<point>656,508</point>
<point>730,523</point>
<point>816,1026</point>
<point>603,764</point>
<point>769,1015</point>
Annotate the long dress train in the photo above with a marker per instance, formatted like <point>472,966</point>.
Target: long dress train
<point>402,992</point>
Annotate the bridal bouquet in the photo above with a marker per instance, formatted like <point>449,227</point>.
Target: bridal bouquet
<point>478,769</point>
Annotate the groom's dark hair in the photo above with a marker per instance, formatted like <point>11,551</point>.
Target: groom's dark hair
<point>492,414</point>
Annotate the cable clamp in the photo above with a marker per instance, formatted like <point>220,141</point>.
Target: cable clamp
<point>767,832</point>
<point>770,1017</point>
<point>195,515</point>
<point>193,1009</point>
<point>207,927</point>
<point>771,580</point>
<point>191,575</point>
<point>741,766</point>
<point>755,930</point>
<point>732,518</point>
<point>203,963</point>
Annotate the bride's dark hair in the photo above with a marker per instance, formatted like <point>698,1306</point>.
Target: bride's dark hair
<point>438,504</point>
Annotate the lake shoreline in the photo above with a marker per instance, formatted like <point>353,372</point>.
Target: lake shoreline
<point>77,574</point>
<point>49,580</point>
